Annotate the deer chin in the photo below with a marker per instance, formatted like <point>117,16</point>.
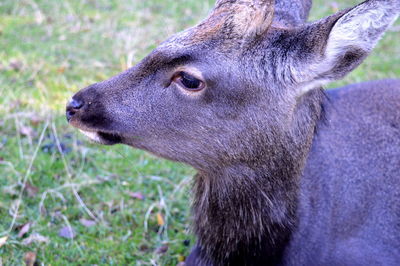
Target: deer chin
<point>104,138</point>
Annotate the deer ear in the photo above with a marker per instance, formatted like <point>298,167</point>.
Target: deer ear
<point>243,18</point>
<point>336,45</point>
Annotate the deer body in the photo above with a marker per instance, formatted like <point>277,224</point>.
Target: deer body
<point>345,195</point>
<point>287,174</point>
<point>349,201</point>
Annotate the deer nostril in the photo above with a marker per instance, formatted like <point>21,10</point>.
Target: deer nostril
<point>69,114</point>
<point>72,107</point>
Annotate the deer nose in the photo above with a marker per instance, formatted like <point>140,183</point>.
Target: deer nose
<point>73,107</point>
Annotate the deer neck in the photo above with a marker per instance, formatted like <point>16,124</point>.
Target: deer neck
<point>248,209</point>
<point>244,211</point>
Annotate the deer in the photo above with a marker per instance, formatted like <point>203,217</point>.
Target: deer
<point>287,173</point>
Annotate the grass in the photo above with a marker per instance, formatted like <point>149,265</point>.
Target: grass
<point>51,177</point>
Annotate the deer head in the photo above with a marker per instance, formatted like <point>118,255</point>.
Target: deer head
<point>235,87</point>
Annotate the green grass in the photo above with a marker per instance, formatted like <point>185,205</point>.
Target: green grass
<point>50,49</point>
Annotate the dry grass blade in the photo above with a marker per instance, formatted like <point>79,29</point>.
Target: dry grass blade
<point>69,175</point>
<point>28,173</point>
<point>35,238</point>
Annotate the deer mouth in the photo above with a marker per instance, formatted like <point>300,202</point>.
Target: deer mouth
<point>99,136</point>
<point>104,138</point>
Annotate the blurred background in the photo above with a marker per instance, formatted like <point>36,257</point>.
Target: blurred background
<point>64,200</point>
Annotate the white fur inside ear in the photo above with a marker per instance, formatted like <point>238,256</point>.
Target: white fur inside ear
<point>361,28</point>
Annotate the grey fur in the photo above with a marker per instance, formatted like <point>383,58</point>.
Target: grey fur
<point>286,173</point>
<point>292,13</point>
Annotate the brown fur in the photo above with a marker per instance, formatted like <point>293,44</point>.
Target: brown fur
<point>231,20</point>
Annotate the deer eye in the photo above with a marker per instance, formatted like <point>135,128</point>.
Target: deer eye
<point>188,82</point>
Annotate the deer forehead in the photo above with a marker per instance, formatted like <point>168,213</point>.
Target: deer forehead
<point>230,23</point>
